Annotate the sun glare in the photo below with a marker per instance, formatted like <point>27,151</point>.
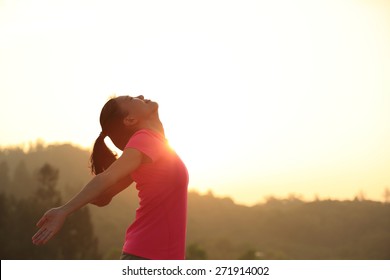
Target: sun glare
<point>257,97</point>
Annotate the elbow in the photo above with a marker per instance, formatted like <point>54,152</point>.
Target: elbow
<point>101,202</point>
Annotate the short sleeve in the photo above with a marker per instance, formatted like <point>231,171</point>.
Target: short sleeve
<point>148,143</point>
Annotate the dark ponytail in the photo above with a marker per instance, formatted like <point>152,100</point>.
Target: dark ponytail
<point>102,157</point>
<point>111,121</point>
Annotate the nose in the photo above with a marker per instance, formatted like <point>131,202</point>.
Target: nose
<point>140,97</point>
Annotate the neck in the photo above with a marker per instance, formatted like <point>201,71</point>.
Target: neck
<point>153,123</point>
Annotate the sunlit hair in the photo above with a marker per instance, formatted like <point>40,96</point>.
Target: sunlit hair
<point>111,121</point>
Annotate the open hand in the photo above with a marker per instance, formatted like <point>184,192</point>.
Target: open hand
<point>50,223</point>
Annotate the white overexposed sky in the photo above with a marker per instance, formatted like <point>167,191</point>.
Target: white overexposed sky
<point>258,97</point>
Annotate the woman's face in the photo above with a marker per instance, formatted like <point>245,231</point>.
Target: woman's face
<point>138,107</point>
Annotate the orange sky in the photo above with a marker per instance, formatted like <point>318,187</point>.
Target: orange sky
<point>259,98</point>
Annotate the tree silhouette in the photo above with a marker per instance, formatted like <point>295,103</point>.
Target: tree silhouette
<point>21,183</point>
<point>281,228</point>
<point>5,181</point>
<point>76,240</point>
<point>47,193</point>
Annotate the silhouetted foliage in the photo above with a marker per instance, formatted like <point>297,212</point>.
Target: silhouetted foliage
<point>46,193</point>
<point>5,181</point>
<point>21,180</point>
<point>290,229</point>
<point>75,241</point>
<point>217,227</point>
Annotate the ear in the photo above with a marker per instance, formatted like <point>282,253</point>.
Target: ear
<point>130,121</point>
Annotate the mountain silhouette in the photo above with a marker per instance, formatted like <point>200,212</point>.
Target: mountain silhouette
<point>217,227</point>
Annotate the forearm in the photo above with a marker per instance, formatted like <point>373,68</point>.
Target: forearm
<point>98,185</point>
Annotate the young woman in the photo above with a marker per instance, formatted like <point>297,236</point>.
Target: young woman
<point>159,228</point>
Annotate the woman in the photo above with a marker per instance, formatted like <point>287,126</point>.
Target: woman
<point>159,228</point>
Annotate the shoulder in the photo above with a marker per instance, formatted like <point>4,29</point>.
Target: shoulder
<point>148,132</point>
<point>149,142</point>
<point>145,136</point>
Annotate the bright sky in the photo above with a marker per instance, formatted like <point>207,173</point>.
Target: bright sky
<point>258,97</point>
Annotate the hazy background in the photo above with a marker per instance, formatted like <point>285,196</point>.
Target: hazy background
<point>280,102</point>
<point>280,228</point>
<point>258,97</point>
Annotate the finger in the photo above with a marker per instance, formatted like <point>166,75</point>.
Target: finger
<point>38,241</point>
<point>41,221</point>
<point>43,236</point>
<point>47,237</point>
<point>36,236</point>
<point>39,235</point>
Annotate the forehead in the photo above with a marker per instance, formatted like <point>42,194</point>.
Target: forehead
<point>123,98</point>
<point>124,102</point>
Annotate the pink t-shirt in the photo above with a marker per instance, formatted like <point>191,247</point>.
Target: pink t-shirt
<point>159,228</point>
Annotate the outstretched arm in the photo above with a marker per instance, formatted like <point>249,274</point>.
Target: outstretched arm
<point>52,221</point>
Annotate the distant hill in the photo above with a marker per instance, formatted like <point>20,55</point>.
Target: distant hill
<point>73,162</point>
<point>291,229</point>
<point>217,227</point>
